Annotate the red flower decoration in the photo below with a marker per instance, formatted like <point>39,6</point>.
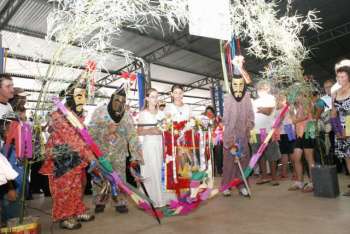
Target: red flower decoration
<point>91,66</point>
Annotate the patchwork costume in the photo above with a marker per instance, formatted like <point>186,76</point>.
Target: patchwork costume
<point>115,134</point>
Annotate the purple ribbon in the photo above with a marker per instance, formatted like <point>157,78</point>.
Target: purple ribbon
<point>263,135</point>
<point>288,128</point>
<point>26,142</point>
<point>60,105</point>
<point>336,125</point>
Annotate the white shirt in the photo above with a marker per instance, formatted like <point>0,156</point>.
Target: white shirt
<point>328,100</point>
<point>6,171</point>
<point>5,109</point>
<point>178,114</point>
<point>262,120</point>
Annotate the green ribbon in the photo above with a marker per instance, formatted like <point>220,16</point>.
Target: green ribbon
<point>107,166</point>
<point>310,131</point>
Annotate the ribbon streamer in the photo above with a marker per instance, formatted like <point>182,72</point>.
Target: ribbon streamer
<point>290,131</point>
<point>336,125</point>
<point>347,125</point>
<point>253,139</point>
<point>263,134</point>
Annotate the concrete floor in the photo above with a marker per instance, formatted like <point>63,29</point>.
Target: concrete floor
<point>271,210</point>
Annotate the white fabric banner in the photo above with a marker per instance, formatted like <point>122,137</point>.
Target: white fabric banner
<point>210,18</point>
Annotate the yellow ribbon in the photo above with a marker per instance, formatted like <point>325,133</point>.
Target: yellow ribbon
<point>253,139</point>
<point>347,125</point>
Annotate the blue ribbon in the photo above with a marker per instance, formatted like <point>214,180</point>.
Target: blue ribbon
<point>140,89</point>
<point>288,128</point>
<point>2,60</point>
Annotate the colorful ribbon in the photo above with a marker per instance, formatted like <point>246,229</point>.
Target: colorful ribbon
<point>290,131</point>
<point>310,131</point>
<point>253,139</point>
<point>336,125</point>
<point>263,146</point>
<point>105,165</point>
<point>347,125</point>
<point>263,134</point>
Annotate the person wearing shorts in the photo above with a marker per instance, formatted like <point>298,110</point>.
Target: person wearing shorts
<point>286,135</point>
<point>264,109</point>
<point>304,143</point>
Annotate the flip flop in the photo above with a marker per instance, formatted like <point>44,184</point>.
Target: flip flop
<point>274,183</point>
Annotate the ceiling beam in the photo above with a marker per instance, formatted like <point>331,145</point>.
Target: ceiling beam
<point>42,36</point>
<point>47,61</point>
<point>174,83</point>
<point>8,11</point>
<point>182,42</point>
<point>328,35</point>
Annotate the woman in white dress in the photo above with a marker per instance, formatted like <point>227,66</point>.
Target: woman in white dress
<point>152,147</point>
<point>177,110</point>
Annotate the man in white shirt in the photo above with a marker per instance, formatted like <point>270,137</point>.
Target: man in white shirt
<point>6,93</point>
<point>8,189</point>
<point>264,108</point>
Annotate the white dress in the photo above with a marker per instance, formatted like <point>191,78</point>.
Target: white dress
<point>151,171</point>
<point>178,114</point>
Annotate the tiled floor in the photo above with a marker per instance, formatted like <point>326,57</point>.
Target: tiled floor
<point>271,210</point>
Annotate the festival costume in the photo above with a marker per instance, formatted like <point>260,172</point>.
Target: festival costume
<point>67,155</point>
<point>114,140</point>
<point>238,121</point>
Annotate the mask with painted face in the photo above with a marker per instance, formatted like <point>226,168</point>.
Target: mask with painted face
<point>116,105</point>
<point>76,98</point>
<point>238,88</point>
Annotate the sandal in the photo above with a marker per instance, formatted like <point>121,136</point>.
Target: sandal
<point>294,187</point>
<point>85,217</point>
<point>70,224</point>
<point>274,183</point>
<point>308,188</point>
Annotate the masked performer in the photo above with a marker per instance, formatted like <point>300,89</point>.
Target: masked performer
<point>67,155</point>
<point>238,121</point>
<point>113,130</point>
